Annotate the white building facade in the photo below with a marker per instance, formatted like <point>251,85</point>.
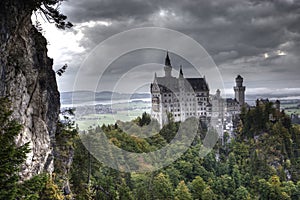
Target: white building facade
<point>180,98</point>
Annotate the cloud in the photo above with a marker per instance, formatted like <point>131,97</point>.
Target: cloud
<point>236,33</point>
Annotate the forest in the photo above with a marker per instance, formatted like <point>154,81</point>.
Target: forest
<point>260,161</point>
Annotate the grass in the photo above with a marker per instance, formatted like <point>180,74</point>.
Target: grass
<point>94,120</point>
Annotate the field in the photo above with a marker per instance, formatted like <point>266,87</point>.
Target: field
<point>123,112</point>
<point>129,111</point>
<point>291,108</point>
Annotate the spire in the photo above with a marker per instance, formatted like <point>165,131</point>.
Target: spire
<point>180,72</point>
<point>167,60</point>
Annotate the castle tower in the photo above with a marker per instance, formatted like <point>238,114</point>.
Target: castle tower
<point>180,73</point>
<point>239,90</point>
<point>277,105</point>
<point>168,66</point>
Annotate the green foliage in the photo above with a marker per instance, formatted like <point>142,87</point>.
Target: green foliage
<point>141,185</point>
<point>11,155</point>
<point>252,166</point>
<point>51,191</point>
<point>145,120</point>
<point>162,187</point>
<point>241,194</point>
<point>208,194</point>
<point>182,192</point>
<point>33,188</point>
<point>198,185</point>
<point>11,158</point>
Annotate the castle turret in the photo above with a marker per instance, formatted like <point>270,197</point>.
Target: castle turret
<point>239,90</point>
<point>168,66</point>
<point>180,72</point>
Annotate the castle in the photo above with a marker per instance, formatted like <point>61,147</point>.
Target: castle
<point>181,98</point>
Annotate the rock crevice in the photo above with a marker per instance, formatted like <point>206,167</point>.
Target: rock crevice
<point>27,78</point>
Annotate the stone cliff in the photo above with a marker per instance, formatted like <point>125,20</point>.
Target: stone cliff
<point>27,78</point>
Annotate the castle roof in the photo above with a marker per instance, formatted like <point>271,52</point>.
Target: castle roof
<point>239,77</point>
<point>172,84</point>
<point>231,101</point>
<point>167,60</point>
<point>198,84</point>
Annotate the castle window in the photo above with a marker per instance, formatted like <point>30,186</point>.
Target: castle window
<point>169,95</point>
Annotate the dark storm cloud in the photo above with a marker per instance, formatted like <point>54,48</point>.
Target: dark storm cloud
<point>82,11</point>
<point>236,33</point>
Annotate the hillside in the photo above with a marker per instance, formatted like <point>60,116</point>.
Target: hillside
<point>261,162</point>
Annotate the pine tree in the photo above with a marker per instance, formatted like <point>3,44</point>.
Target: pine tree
<point>208,194</point>
<point>51,191</point>
<point>162,187</point>
<point>182,192</point>
<point>11,156</point>
<point>197,187</point>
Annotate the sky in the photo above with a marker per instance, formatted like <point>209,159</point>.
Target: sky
<point>258,39</point>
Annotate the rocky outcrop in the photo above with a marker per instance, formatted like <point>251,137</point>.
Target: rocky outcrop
<point>27,78</point>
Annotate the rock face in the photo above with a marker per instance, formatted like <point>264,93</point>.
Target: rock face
<point>27,78</point>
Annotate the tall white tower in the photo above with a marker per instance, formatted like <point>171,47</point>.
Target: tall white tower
<point>239,90</point>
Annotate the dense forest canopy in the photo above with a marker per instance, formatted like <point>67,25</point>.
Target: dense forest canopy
<point>260,162</point>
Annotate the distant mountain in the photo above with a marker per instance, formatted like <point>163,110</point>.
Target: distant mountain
<point>78,97</point>
<point>284,98</point>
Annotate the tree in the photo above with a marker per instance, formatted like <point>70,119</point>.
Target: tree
<point>51,191</point>
<point>32,188</point>
<point>62,70</point>
<point>11,156</point>
<point>182,192</point>
<point>142,184</point>
<point>49,9</point>
<point>124,191</point>
<point>145,120</point>
<point>162,187</point>
<point>208,194</point>
<point>241,194</point>
<point>197,187</point>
